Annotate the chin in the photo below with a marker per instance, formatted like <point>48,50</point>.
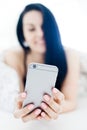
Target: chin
<point>41,51</point>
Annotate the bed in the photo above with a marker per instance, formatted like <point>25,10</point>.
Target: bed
<point>9,88</point>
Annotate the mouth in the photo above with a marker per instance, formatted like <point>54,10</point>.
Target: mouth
<point>40,42</point>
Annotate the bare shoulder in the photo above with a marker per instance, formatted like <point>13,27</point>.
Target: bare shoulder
<point>73,60</point>
<point>14,58</point>
<point>12,55</point>
<point>71,54</point>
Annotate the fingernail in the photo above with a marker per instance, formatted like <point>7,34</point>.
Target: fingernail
<point>30,107</point>
<point>43,105</point>
<point>55,90</point>
<point>23,95</point>
<point>43,114</point>
<point>60,98</point>
<point>39,118</point>
<point>46,97</point>
<point>37,112</point>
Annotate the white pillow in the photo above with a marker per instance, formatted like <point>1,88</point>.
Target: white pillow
<point>9,87</point>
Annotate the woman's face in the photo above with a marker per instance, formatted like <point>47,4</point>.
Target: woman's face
<point>33,33</point>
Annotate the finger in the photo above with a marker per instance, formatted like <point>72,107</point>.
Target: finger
<point>21,97</point>
<point>49,100</point>
<point>49,111</point>
<point>22,112</point>
<point>38,117</point>
<point>45,116</point>
<point>19,100</point>
<point>57,95</point>
<point>31,116</point>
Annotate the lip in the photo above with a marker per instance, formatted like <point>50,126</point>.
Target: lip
<point>42,42</point>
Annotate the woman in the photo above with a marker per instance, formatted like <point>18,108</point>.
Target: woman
<point>40,41</point>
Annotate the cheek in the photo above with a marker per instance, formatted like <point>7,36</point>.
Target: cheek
<point>31,41</point>
<point>29,37</point>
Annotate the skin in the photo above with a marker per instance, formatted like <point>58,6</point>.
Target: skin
<point>61,101</point>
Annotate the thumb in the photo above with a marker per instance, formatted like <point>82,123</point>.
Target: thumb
<point>57,95</point>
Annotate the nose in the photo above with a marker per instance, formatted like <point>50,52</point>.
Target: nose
<point>40,33</point>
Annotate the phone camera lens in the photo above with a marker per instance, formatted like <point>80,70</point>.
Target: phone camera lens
<point>34,66</point>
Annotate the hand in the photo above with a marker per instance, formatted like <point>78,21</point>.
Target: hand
<point>52,106</point>
<point>23,113</point>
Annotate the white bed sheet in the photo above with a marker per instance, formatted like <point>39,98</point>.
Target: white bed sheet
<point>76,120</point>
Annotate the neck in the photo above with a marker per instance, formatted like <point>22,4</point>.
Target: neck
<point>35,57</point>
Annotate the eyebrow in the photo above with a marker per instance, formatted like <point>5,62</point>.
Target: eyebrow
<point>28,24</point>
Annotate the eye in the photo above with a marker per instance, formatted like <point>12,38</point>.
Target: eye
<point>31,29</point>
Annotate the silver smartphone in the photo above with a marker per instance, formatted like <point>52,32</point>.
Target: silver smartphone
<point>40,80</point>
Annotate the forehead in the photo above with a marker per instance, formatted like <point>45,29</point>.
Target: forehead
<point>33,17</point>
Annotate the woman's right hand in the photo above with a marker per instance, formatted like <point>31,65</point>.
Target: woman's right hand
<point>22,113</point>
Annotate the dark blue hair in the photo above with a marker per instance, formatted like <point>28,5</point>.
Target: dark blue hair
<point>55,54</point>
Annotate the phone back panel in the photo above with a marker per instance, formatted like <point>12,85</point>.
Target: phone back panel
<point>40,79</point>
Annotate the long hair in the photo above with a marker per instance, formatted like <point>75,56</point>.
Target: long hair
<point>55,54</point>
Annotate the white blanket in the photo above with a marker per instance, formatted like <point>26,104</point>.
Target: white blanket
<point>9,83</point>
<point>76,120</point>
<point>9,88</point>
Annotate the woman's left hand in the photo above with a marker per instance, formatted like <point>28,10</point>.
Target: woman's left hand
<point>52,105</point>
